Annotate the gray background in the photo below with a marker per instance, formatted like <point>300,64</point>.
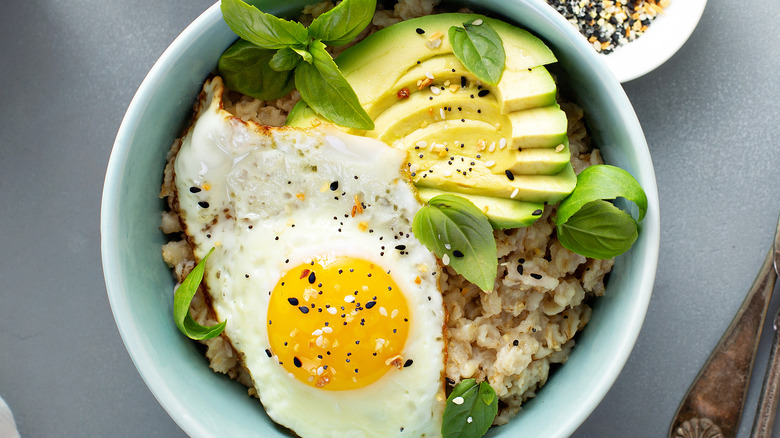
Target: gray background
<point>70,69</point>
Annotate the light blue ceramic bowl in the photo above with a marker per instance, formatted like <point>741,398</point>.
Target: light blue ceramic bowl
<point>139,284</point>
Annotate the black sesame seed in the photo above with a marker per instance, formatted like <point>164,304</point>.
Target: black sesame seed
<point>194,189</point>
<point>297,362</point>
<point>509,175</point>
<point>537,213</point>
<point>408,363</point>
<point>520,269</point>
<point>463,81</point>
<point>312,278</point>
<point>334,186</point>
<point>203,204</point>
<point>420,31</point>
<point>268,352</point>
<point>370,304</point>
<point>457,254</point>
<point>537,276</point>
<point>516,342</point>
<point>293,301</point>
<point>303,309</point>
<point>483,93</point>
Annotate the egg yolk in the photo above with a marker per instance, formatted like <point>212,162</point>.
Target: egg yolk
<point>338,323</point>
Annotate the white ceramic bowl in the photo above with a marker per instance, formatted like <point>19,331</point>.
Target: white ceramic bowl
<point>663,38</point>
<point>139,284</point>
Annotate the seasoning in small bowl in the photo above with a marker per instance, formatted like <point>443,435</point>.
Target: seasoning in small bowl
<point>608,25</point>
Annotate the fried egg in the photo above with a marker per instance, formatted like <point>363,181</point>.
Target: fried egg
<point>331,302</point>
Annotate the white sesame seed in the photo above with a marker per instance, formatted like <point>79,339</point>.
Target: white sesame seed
<point>435,90</point>
<point>332,310</point>
<point>327,330</point>
<point>349,299</point>
<point>490,163</point>
<point>320,370</point>
<point>421,144</point>
<point>383,311</point>
<point>492,147</point>
<point>514,193</point>
<point>458,400</point>
<point>502,143</point>
<point>447,246</point>
<point>428,75</point>
<point>441,113</point>
<point>477,22</point>
<point>433,44</point>
<point>316,332</point>
<point>318,341</point>
<point>559,148</point>
<point>445,259</point>
<point>447,172</point>
<point>469,420</point>
<point>394,313</point>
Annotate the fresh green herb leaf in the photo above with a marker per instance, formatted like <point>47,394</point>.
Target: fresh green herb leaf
<point>602,182</point>
<point>286,59</point>
<point>262,29</point>
<point>470,410</point>
<point>343,23</point>
<point>459,234</point>
<point>480,49</point>
<point>598,230</point>
<point>324,88</point>
<point>303,54</point>
<point>181,305</point>
<point>246,68</point>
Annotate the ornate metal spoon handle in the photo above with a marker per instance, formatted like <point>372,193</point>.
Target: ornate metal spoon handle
<point>714,402</point>
<point>767,405</point>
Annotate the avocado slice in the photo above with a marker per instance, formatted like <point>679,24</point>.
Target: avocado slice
<point>383,57</point>
<point>501,213</point>
<point>538,127</point>
<point>479,180</point>
<point>475,138</point>
<point>516,91</point>
<point>423,108</point>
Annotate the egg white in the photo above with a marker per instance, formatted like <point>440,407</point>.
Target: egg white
<point>266,205</point>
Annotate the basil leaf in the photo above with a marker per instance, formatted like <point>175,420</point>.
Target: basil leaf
<point>262,29</point>
<point>343,23</point>
<point>602,182</point>
<point>286,59</point>
<point>324,89</point>
<point>470,410</point>
<point>460,234</point>
<point>246,69</point>
<point>598,230</point>
<point>480,49</point>
<point>181,305</point>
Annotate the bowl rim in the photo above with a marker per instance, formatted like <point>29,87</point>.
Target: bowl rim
<point>129,331</point>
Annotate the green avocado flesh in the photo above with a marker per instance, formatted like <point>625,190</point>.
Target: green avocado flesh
<point>501,213</point>
<point>479,180</point>
<point>423,100</point>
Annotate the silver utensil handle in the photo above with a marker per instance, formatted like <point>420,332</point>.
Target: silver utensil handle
<point>767,405</point>
<point>713,405</point>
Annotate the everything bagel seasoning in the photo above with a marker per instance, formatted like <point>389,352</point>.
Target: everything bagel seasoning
<point>607,24</point>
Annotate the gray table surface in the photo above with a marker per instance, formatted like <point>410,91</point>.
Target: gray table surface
<point>70,69</point>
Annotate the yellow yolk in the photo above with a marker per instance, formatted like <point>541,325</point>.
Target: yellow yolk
<point>338,323</point>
